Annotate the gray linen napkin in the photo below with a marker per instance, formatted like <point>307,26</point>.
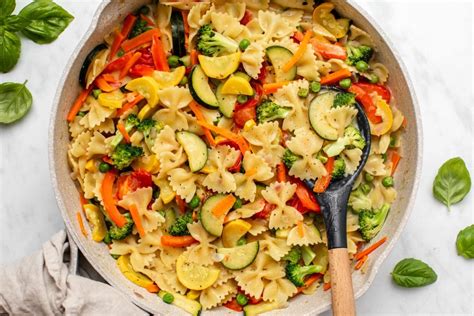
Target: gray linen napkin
<point>41,284</point>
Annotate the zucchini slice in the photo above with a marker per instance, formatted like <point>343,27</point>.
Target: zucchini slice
<point>278,57</point>
<point>240,257</point>
<point>212,224</point>
<point>201,90</point>
<point>195,148</point>
<point>87,62</point>
<point>177,32</point>
<point>317,108</point>
<point>191,306</point>
<point>226,102</point>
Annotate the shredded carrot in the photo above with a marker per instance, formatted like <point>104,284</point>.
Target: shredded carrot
<point>130,64</point>
<point>103,85</point>
<point>299,52</point>
<point>300,229</point>
<point>395,161</point>
<point>281,172</point>
<point>144,38</point>
<point>243,146</point>
<point>159,55</point>
<point>313,278</point>
<point>129,105</point>
<point>153,288</point>
<point>197,111</point>
<point>81,224</point>
<point>326,286</point>
<point>223,206</point>
<point>269,88</point>
<point>124,132</point>
<point>76,107</point>
<point>147,20</point>
<point>322,183</point>
<point>177,241</point>
<point>361,262</point>
<point>335,77</point>
<point>137,220</point>
<point>109,200</point>
<point>370,249</point>
<point>194,57</point>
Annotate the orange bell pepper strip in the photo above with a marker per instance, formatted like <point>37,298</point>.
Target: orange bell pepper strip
<point>159,54</point>
<point>298,36</point>
<point>124,132</point>
<point>140,40</point>
<point>395,158</point>
<point>76,107</point>
<point>109,200</point>
<point>322,183</point>
<point>129,105</point>
<point>194,57</point>
<point>370,249</point>
<point>367,103</point>
<point>335,77</point>
<point>137,220</point>
<point>281,172</point>
<point>129,64</point>
<point>269,88</point>
<point>81,224</point>
<point>328,50</point>
<point>223,205</point>
<point>177,241</point>
<point>306,197</point>
<point>299,52</point>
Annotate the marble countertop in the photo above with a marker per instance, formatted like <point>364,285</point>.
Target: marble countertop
<point>436,44</point>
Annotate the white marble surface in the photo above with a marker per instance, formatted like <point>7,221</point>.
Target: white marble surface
<point>435,39</point>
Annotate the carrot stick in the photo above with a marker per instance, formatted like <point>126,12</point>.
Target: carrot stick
<point>153,288</point>
<point>360,263</point>
<point>370,249</point>
<point>76,107</point>
<point>147,20</point>
<point>300,229</point>
<point>124,132</point>
<point>81,224</point>
<point>395,160</point>
<point>194,57</point>
<point>137,220</point>
<point>322,183</point>
<point>223,206</point>
<point>130,64</point>
<point>109,200</point>
<point>129,105</point>
<point>326,286</point>
<point>103,85</point>
<point>197,111</point>
<point>177,241</point>
<point>121,36</point>
<point>335,77</point>
<point>140,40</point>
<point>309,282</point>
<point>299,52</point>
<point>281,172</point>
<point>269,88</point>
<point>159,54</point>
<point>243,146</point>
<point>118,40</point>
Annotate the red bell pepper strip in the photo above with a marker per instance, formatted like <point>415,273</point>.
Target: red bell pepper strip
<point>367,103</point>
<point>267,210</point>
<point>244,114</point>
<point>298,36</point>
<point>238,162</point>
<point>254,301</point>
<point>146,58</point>
<point>109,200</point>
<point>395,158</point>
<point>76,107</point>
<point>336,76</point>
<point>322,183</point>
<point>381,90</point>
<point>328,50</point>
<point>233,305</point>
<point>140,40</point>
<point>262,75</point>
<point>194,57</point>
<point>130,64</point>
<point>181,204</point>
<point>128,183</point>
<point>248,16</point>
<point>117,64</point>
<point>159,55</point>
<point>306,197</point>
<point>121,36</point>
<point>281,172</point>
<point>140,70</point>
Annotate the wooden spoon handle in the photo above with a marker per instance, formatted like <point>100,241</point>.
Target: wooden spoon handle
<point>341,283</point>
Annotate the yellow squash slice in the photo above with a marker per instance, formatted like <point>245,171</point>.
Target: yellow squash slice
<point>125,267</point>
<point>220,67</point>
<point>237,85</point>
<point>233,231</point>
<point>147,87</point>
<point>169,79</point>
<point>195,276</point>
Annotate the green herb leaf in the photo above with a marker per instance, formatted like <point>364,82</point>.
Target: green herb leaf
<point>465,242</point>
<point>47,21</point>
<point>10,47</point>
<point>15,101</point>
<point>413,273</point>
<point>14,23</point>
<point>6,7</point>
<point>452,183</point>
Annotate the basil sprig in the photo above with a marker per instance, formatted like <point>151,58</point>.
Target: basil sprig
<point>465,242</point>
<point>452,183</point>
<point>413,273</point>
<point>15,101</point>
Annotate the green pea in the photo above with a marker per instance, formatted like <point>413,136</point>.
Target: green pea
<point>173,61</point>
<point>387,182</point>
<point>242,241</point>
<point>194,202</point>
<point>96,93</point>
<point>244,44</point>
<point>365,188</point>
<point>115,256</point>
<point>315,87</point>
<point>237,204</point>
<point>303,93</point>
<point>384,157</point>
<point>184,81</point>
<point>393,141</point>
<point>120,53</point>
<point>368,177</point>
<point>241,299</point>
<point>104,167</point>
<point>362,66</point>
<point>168,298</point>
<point>242,98</point>
<point>374,78</point>
<point>81,113</point>
<point>345,83</point>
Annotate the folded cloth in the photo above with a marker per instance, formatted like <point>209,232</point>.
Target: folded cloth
<point>41,284</point>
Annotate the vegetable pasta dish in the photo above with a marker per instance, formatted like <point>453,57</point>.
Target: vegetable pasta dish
<point>195,131</point>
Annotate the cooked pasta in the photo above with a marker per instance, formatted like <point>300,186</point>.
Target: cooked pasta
<point>201,123</point>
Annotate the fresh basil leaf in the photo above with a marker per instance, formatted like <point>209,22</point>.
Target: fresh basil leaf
<point>15,101</point>
<point>452,183</point>
<point>465,242</point>
<point>10,47</point>
<point>413,273</point>
<point>47,21</point>
<point>6,7</point>
<point>14,23</point>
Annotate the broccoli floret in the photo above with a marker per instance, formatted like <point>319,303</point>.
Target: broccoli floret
<point>371,221</point>
<point>296,273</point>
<point>339,168</point>
<point>343,99</point>
<point>269,111</point>
<point>352,138</point>
<point>118,233</point>
<point>294,256</point>
<point>150,128</point>
<point>180,226</point>
<point>358,53</point>
<point>139,27</point>
<point>124,154</point>
<point>359,201</point>
<point>130,122</point>
<point>289,158</point>
<point>212,43</point>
